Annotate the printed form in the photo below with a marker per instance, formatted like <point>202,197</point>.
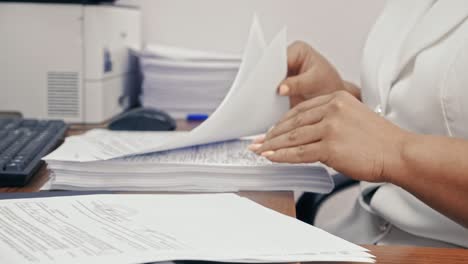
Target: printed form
<point>149,228</point>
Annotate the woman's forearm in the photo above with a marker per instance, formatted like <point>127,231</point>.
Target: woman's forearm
<point>434,169</point>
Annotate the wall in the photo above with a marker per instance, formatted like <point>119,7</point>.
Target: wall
<point>337,28</point>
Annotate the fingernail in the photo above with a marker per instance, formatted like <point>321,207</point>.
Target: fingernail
<point>267,154</point>
<point>259,139</point>
<point>254,147</point>
<point>284,90</point>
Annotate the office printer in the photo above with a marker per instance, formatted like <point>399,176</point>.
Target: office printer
<point>67,61</point>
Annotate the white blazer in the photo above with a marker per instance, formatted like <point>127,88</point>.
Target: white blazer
<point>415,73</point>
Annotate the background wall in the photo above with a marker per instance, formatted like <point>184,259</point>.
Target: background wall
<point>337,28</point>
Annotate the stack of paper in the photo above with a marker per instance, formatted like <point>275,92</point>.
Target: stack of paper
<point>104,159</point>
<point>183,82</point>
<point>218,167</point>
<point>125,229</point>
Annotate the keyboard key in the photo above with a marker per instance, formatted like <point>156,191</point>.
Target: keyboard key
<point>2,165</point>
<point>29,123</point>
<point>7,141</point>
<point>4,122</point>
<point>12,166</point>
<point>29,151</point>
<point>42,124</point>
<point>14,123</point>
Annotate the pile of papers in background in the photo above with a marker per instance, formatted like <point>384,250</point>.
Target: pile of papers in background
<point>186,82</point>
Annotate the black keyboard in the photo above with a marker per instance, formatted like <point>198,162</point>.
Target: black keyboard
<point>23,142</point>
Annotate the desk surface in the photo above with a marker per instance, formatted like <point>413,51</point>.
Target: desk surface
<point>283,202</point>
<point>418,255</point>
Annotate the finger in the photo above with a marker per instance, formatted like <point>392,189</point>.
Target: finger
<point>259,139</point>
<point>306,105</point>
<point>295,137</point>
<point>256,143</point>
<point>309,117</point>
<point>303,84</point>
<point>291,85</point>
<point>297,53</point>
<point>300,154</point>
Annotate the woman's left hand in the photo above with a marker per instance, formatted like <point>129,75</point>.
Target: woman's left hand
<point>339,131</point>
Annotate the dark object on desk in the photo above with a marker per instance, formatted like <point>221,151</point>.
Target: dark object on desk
<point>23,143</point>
<point>4,115</point>
<point>143,119</point>
<point>309,203</point>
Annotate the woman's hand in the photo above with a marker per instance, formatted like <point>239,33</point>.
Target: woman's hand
<point>311,75</point>
<point>339,131</point>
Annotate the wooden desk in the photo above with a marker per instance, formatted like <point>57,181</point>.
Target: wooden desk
<point>283,202</point>
<point>418,255</point>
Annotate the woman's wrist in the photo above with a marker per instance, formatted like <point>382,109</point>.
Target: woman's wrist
<point>397,167</point>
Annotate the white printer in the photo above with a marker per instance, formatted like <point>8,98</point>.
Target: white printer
<point>67,61</point>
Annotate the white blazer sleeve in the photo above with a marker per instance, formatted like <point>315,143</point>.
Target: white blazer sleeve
<point>454,94</point>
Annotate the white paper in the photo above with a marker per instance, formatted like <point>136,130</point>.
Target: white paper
<point>101,144</point>
<point>216,167</point>
<point>179,53</point>
<point>183,82</point>
<point>149,228</point>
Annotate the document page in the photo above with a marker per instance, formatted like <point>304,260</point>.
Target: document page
<point>228,153</point>
<point>102,144</point>
<point>150,228</point>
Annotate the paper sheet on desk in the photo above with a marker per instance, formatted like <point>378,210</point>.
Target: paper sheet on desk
<point>147,228</point>
<point>101,144</point>
<point>250,107</point>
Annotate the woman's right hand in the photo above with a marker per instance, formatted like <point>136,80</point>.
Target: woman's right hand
<point>311,75</point>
